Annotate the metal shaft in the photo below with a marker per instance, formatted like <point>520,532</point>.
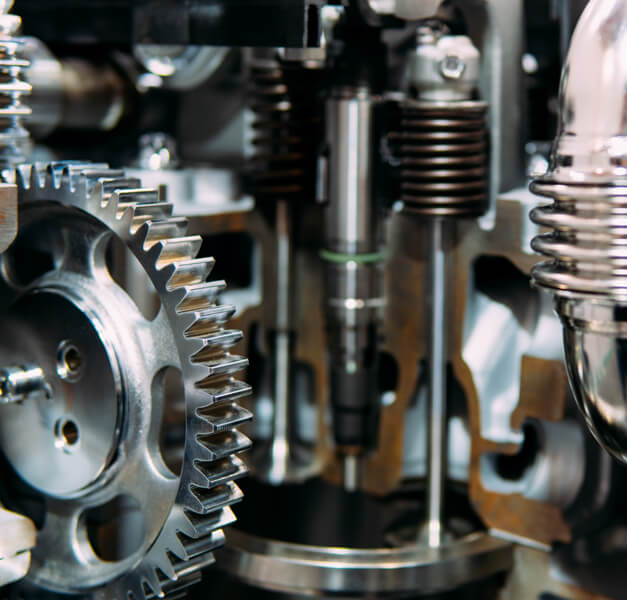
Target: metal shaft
<point>437,385</point>
<point>281,421</point>
<point>18,382</point>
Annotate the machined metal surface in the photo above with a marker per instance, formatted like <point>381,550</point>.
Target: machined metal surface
<point>105,363</point>
<point>318,571</point>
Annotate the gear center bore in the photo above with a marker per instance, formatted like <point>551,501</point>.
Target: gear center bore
<point>75,423</point>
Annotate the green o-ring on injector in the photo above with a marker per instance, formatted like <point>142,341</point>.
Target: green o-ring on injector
<point>340,257</point>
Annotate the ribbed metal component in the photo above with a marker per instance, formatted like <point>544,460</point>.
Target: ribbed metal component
<point>442,153</point>
<point>587,244</point>
<point>286,130</point>
<point>14,139</point>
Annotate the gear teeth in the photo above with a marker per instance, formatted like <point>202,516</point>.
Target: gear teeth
<point>208,321</point>
<point>228,390</point>
<point>229,365</point>
<point>161,230</point>
<point>210,500</point>
<point>196,271</point>
<point>154,208</point>
<point>176,249</point>
<point>207,523</point>
<point>151,581</point>
<point>220,445</point>
<point>224,416</point>
<point>221,340</point>
<point>111,183</point>
<point>221,471</point>
<point>195,547</point>
<point>165,565</point>
<point>199,296</point>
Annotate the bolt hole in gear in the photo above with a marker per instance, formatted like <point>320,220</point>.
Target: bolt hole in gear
<point>138,423</point>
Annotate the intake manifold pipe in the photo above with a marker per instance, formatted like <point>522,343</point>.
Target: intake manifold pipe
<point>587,245</point>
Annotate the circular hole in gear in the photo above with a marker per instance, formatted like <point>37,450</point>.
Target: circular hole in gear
<point>115,530</point>
<point>168,400</point>
<point>124,268</point>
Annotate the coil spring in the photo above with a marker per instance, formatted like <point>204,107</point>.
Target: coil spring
<point>587,242</point>
<point>14,139</point>
<point>286,131</point>
<point>442,153</point>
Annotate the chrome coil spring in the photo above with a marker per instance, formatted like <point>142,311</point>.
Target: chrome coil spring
<point>587,244</point>
<point>286,131</point>
<point>14,139</point>
<point>442,153</point>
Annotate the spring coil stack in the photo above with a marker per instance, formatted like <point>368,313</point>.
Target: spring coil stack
<point>14,139</point>
<point>286,130</point>
<point>441,154</point>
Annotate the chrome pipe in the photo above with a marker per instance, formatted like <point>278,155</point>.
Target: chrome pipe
<point>587,181</point>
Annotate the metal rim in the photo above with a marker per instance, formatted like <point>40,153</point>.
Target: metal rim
<point>320,570</point>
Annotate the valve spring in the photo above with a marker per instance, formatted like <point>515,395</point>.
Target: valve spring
<point>287,131</point>
<point>14,138</point>
<point>442,152</point>
<point>587,242</point>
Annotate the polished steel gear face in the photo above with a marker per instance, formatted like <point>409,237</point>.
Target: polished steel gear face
<point>93,436</point>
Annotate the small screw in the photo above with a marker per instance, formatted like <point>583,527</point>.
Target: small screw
<point>452,67</point>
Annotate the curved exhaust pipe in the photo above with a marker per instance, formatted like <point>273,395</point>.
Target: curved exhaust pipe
<point>587,243</point>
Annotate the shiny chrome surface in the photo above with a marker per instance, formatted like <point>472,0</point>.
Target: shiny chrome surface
<point>595,343</point>
<point>358,573</point>
<point>592,134</point>
<point>587,181</point>
<point>351,222</point>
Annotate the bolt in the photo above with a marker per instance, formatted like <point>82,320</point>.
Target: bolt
<point>452,67</point>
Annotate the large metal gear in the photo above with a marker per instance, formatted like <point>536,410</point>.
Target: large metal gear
<point>93,434</point>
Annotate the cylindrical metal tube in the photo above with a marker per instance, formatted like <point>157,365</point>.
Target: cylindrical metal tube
<point>350,223</point>
<point>352,276</point>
